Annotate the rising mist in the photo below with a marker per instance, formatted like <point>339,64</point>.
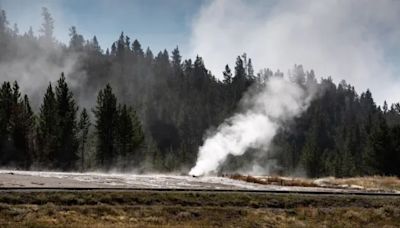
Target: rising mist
<point>279,101</point>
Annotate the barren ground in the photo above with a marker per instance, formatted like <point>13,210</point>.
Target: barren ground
<point>32,179</point>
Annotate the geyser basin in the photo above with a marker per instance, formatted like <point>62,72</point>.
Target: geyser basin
<point>10,178</point>
<point>32,179</point>
<point>278,101</point>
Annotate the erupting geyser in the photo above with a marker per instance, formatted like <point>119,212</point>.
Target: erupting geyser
<point>278,101</point>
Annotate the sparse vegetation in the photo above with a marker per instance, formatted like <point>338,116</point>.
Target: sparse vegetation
<point>376,183</point>
<point>373,182</point>
<point>193,209</point>
<point>275,180</point>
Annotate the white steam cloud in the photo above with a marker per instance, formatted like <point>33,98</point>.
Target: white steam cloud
<point>355,40</point>
<point>34,62</point>
<point>279,101</point>
<point>36,69</point>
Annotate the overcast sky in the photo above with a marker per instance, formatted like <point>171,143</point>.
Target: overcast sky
<point>355,40</point>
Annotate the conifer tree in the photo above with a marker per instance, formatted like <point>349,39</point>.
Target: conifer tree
<point>3,22</point>
<point>83,126</point>
<point>138,134</point>
<point>28,121</point>
<point>149,57</point>
<point>21,126</point>
<point>76,40</point>
<point>95,46</point>
<point>66,111</point>
<point>106,114</point>
<point>239,79</point>
<point>137,49</point>
<point>5,116</point>
<point>47,28</point>
<point>227,75</point>
<point>47,130</point>
<point>311,152</point>
<point>176,59</point>
<point>250,69</point>
<point>125,133</point>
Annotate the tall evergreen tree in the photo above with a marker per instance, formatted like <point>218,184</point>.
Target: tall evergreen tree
<point>16,123</point>
<point>95,46</point>
<point>176,59</point>
<point>106,114</point>
<point>311,152</point>
<point>28,123</point>
<point>124,133</point>
<point>66,111</point>
<point>137,49</point>
<point>379,147</point>
<point>47,130</point>
<point>47,28</point>
<point>21,127</point>
<point>3,22</point>
<point>83,126</point>
<point>239,81</point>
<point>5,117</point>
<point>129,136</point>
<point>76,40</point>
<point>138,134</point>
<point>227,75</point>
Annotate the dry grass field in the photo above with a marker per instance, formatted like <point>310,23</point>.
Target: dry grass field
<point>194,209</point>
<point>374,182</point>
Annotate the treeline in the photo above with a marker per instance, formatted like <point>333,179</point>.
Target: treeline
<point>176,100</point>
<point>56,139</point>
<point>342,134</point>
<point>167,104</point>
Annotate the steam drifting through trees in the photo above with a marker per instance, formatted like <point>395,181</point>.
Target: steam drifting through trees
<point>152,113</point>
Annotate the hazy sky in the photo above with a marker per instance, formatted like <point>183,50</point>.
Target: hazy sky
<point>355,40</point>
<point>156,23</point>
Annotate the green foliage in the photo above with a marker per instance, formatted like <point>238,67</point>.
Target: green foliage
<point>47,129</point>
<point>16,123</point>
<point>57,130</point>
<point>119,132</point>
<point>106,126</point>
<point>129,136</point>
<point>176,102</point>
<point>66,111</point>
<point>311,150</point>
<point>83,127</point>
<point>343,134</point>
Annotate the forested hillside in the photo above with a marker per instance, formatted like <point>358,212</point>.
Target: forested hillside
<point>125,108</point>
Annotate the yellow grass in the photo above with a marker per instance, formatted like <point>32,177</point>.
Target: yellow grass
<point>275,180</point>
<point>194,209</point>
<point>378,183</point>
<point>371,182</point>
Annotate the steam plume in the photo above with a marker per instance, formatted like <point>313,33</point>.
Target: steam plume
<point>279,100</point>
<point>346,39</point>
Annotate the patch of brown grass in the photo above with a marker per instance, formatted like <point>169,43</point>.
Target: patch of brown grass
<point>177,216</point>
<point>275,180</point>
<point>194,209</point>
<point>371,182</point>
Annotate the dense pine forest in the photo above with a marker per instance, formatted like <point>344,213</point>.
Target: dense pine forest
<point>128,109</point>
